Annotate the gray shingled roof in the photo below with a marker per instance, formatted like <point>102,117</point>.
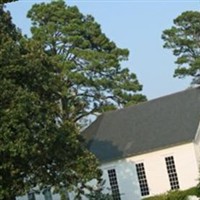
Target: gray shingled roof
<point>149,126</point>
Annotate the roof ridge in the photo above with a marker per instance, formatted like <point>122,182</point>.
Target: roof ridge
<point>151,100</point>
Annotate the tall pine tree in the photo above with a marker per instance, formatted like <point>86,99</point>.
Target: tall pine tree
<point>184,39</point>
<point>88,61</point>
<point>67,70</point>
<point>38,145</point>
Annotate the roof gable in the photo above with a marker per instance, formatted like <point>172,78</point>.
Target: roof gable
<point>145,127</point>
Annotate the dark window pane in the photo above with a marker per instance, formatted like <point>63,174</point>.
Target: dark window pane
<point>114,184</point>
<point>142,179</point>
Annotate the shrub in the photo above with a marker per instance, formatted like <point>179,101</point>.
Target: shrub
<point>176,195</point>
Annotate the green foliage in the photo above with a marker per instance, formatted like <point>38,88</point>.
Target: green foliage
<point>97,193</point>
<point>66,71</point>
<point>88,61</point>
<point>7,1</point>
<point>39,146</point>
<point>184,39</point>
<point>100,196</point>
<point>176,195</point>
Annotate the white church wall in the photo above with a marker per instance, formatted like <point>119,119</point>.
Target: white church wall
<point>126,178</point>
<point>197,146</point>
<point>185,159</point>
<point>156,171</point>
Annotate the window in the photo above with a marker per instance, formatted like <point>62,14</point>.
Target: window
<point>171,170</point>
<point>142,179</point>
<point>114,185</point>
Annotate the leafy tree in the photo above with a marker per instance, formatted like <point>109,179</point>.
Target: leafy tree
<point>66,71</point>
<point>176,195</point>
<point>38,146</point>
<point>184,39</point>
<point>6,1</point>
<point>98,194</point>
<point>87,60</point>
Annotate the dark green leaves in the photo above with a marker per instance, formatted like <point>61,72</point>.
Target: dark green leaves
<point>6,1</point>
<point>91,63</point>
<point>184,39</point>
<point>49,84</point>
<point>39,145</point>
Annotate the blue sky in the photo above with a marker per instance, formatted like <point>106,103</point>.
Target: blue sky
<point>136,25</point>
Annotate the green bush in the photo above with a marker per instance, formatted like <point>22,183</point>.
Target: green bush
<point>176,195</point>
